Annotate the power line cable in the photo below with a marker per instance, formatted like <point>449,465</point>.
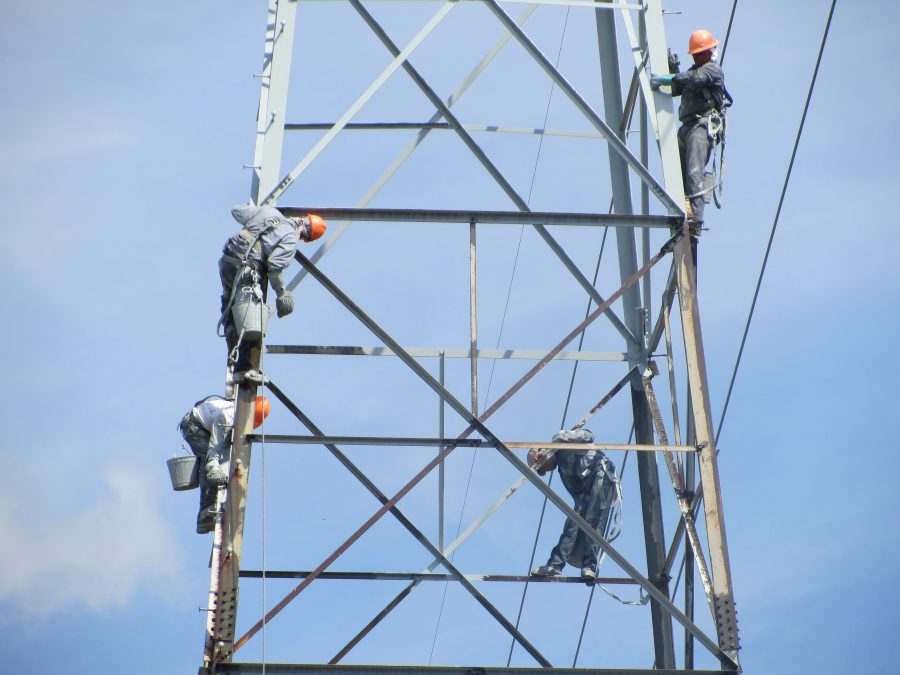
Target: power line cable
<point>550,481</point>
<point>503,320</point>
<point>728,32</point>
<point>591,596</point>
<point>787,179</point>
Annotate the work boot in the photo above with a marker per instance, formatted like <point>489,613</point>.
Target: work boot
<point>546,571</point>
<point>206,519</point>
<point>588,573</point>
<point>214,474</point>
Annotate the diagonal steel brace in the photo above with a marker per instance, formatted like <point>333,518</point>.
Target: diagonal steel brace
<point>416,532</point>
<point>680,491</point>
<point>472,527</point>
<point>510,191</point>
<point>476,424</point>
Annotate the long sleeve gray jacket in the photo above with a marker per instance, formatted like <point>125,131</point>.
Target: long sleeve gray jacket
<point>277,243</point>
<point>216,415</point>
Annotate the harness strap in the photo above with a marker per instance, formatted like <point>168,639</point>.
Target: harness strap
<point>246,264</point>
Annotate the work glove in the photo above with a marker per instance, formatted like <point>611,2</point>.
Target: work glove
<point>656,81</point>
<point>284,303</point>
<point>214,473</point>
<point>674,63</point>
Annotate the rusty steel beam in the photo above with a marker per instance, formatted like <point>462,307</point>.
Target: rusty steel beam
<point>724,612</point>
<point>293,439</point>
<point>476,424</point>
<point>429,576</point>
<point>410,527</point>
<point>319,669</point>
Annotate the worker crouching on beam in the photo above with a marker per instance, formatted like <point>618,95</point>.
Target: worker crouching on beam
<point>590,477</point>
<point>207,428</point>
<point>702,114</point>
<point>261,250</point>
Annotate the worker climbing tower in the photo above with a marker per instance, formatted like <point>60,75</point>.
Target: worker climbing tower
<point>471,158</point>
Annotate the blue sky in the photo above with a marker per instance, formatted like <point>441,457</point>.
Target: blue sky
<point>125,128</point>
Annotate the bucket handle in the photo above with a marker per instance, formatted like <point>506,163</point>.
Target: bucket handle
<point>187,452</point>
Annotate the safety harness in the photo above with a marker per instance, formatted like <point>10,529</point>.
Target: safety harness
<point>716,123</point>
<point>249,270</point>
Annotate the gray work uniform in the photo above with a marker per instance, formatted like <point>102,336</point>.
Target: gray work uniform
<point>207,429</point>
<point>267,241</point>
<point>702,91</point>
<point>590,478</point>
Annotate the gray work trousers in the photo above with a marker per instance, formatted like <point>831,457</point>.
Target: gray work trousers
<point>594,506</point>
<point>198,439</point>
<point>695,147</point>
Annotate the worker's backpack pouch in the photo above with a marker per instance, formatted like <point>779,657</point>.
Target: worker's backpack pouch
<point>249,312</point>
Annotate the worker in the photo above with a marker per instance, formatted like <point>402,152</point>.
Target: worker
<point>207,429</point>
<point>702,113</point>
<point>590,477</point>
<point>261,250</point>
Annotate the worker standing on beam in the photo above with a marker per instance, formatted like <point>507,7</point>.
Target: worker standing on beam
<point>261,250</point>
<point>207,428</point>
<point>590,477</point>
<point>702,114</point>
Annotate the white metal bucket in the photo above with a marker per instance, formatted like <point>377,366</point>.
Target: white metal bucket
<point>250,314</point>
<point>184,472</point>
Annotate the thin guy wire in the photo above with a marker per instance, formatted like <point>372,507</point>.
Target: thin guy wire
<point>562,426</point>
<point>512,645</point>
<point>265,542</point>
<point>787,179</point>
<point>587,609</point>
<point>721,62</point>
<point>263,497</point>
<point>568,398</point>
<point>584,625</point>
<point>503,323</point>
<point>728,32</point>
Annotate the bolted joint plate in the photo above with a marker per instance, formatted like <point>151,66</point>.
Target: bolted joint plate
<point>726,623</point>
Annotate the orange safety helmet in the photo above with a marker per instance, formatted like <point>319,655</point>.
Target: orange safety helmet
<point>316,227</point>
<point>701,41</point>
<point>261,410</point>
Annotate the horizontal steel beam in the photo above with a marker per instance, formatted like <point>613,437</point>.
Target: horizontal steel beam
<point>436,352</point>
<point>442,126</point>
<point>427,576</point>
<point>485,217</point>
<point>586,4</point>
<point>340,669</point>
<point>292,439</point>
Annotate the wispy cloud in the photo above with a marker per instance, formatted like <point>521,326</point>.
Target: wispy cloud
<point>96,557</point>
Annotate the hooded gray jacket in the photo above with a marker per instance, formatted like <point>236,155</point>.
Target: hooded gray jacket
<point>278,241</point>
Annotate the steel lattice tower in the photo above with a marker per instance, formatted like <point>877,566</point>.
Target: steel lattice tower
<point>651,242</point>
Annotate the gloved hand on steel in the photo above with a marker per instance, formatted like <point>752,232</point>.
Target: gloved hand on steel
<point>656,81</point>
